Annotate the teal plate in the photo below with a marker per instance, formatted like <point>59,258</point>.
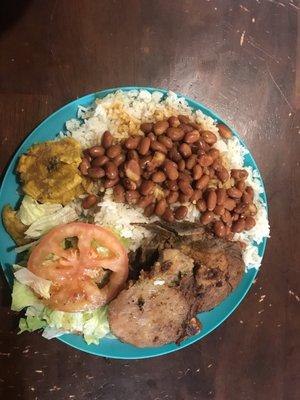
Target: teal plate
<point>113,348</point>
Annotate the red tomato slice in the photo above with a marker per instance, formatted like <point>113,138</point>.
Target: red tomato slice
<point>76,272</point>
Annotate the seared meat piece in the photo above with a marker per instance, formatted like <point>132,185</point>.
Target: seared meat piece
<point>165,235</point>
<point>173,265</point>
<point>192,271</point>
<point>219,263</point>
<point>147,314</point>
<point>157,309</point>
<point>219,269</point>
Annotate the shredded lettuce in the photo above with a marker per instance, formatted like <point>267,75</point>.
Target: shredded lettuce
<point>26,247</point>
<point>93,325</point>
<point>31,324</point>
<point>23,296</point>
<point>39,285</point>
<point>30,210</point>
<point>44,224</point>
<point>51,333</point>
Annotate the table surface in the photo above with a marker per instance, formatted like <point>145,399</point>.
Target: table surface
<point>241,59</point>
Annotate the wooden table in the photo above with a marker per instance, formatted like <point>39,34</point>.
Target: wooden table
<point>241,60</point>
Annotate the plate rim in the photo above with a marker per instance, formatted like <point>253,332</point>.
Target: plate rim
<point>192,103</point>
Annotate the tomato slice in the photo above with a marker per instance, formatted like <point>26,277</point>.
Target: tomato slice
<point>77,273</point>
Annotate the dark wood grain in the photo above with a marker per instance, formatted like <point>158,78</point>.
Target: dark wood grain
<point>242,59</point>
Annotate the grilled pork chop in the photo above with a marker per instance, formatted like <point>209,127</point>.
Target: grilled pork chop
<point>155,310</point>
<point>192,271</point>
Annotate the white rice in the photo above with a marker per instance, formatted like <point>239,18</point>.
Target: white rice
<point>122,113</point>
<point>120,216</point>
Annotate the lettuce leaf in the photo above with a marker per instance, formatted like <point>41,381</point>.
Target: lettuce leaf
<point>93,325</point>
<point>23,296</point>
<point>38,285</point>
<point>31,324</point>
<point>30,210</point>
<point>45,223</point>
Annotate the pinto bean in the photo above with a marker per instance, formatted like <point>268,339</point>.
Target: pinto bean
<point>129,184</point>
<point>219,229</point>
<point>202,182</point>
<point>192,137</point>
<point>147,187</point>
<point>209,137</point>
<point>96,151</point>
<point>149,210</point>
<point>172,197</point>
<point>197,172</point>
<point>234,193</point>
<point>160,127</point>
<point>239,174</point>
<point>109,183</point>
<point>132,170</point>
<point>174,154</point>
<point>205,160</point>
<point>191,162</point>
<point>158,177</point>
<point>183,198</point>
<point>224,131</point>
<point>174,121</point>
<point>180,212</point>
<point>145,201</point>
<point>161,207</point>
<point>222,174</point>
<point>119,194</point>
<point>132,196</point>
<point>211,200</point>
<point>111,170</point>
<point>133,155</point>
<point>146,127</point>
<point>96,172</point>
<point>100,161</point>
<point>151,136</point>
<point>184,119</point>
<point>158,159</point>
<point>113,151</point>
<point>221,196</point>
<point>207,217</point>
<point>181,165</point>
<point>171,172</point>
<point>214,153</point>
<point>168,215</point>
<point>201,205</point>
<point>185,187</point>
<point>144,146</point>
<point>196,196</point>
<point>132,142</point>
<point>172,185</point>
<point>107,139</point>
<point>119,159</point>
<point>241,185</point>
<point>175,134</point>
<point>250,192</point>
<point>229,204</point>
<point>166,141</point>
<point>219,210</point>
<point>89,201</point>
<point>84,166</point>
<point>185,150</point>
<point>249,223</point>
<point>157,146</point>
<point>238,226</point>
